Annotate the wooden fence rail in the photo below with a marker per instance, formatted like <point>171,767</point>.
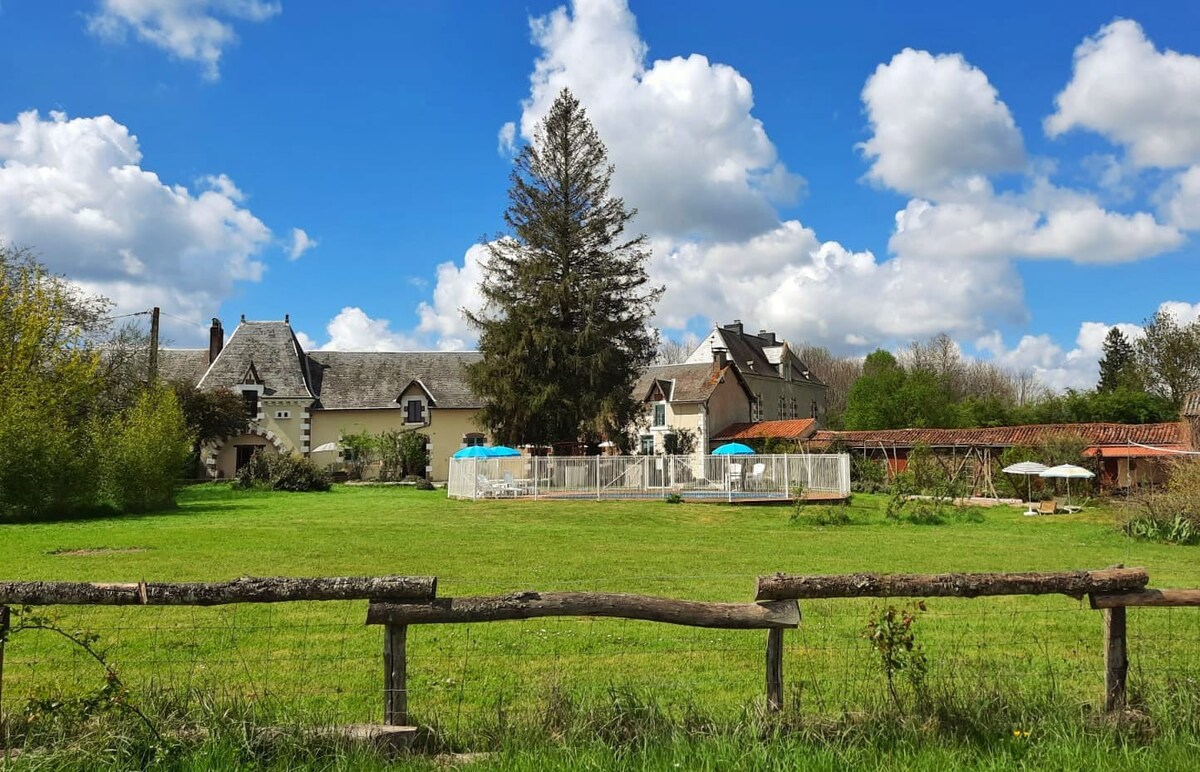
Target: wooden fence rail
<point>1073,583</point>
<point>245,590</point>
<point>399,601</point>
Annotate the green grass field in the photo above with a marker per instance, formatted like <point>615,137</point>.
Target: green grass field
<point>602,693</point>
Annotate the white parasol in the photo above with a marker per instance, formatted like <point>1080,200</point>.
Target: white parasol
<point>1027,468</point>
<point>1068,472</point>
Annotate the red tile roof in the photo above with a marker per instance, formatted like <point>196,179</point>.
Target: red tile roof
<point>796,429</point>
<point>1135,451</point>
<point>1005,436</point>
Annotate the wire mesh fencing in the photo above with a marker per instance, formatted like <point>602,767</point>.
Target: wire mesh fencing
<point>319,664</point>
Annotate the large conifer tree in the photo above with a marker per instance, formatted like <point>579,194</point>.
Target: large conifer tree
<point>565,331</point>
<point>1118,365</point>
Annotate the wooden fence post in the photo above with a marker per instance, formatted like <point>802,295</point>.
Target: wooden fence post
<point>395,675</point>
<point>4,624</point>
<point>1116,658</point>
<point>775,670</point>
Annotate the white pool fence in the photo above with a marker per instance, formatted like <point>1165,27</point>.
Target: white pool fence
<point>731,478</point>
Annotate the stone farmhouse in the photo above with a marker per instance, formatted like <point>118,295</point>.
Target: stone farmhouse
<point>300,400</point>
<point>732,381</point>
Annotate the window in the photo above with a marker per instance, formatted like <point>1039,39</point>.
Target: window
<point>660,414</point>
<point>795,408</point>
<point>647,445</point>
<point>781,410</point>
<point>815,409</point>
<point>283,414</point>
<point>756,409</point>
<point>250,399</point>
<point>244,454</point>
<point>414,412</point>
<point>473,440</point>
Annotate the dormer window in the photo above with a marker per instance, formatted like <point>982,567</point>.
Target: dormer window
<point>660,414</point>
<point>414,411</point>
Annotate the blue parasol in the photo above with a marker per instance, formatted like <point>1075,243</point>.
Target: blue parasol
<point>734,449</point>
<point>474,451</point>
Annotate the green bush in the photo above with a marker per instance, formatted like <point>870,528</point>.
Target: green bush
<point>144,452</point>
<point>423,485</point>
<point>1172,515</point>
<point>831,516</point>
<point>673,498</point>
<point>282,473</point>
<point>48,464</point>
<point>867,475</point>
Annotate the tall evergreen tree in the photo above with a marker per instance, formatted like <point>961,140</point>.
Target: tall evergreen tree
<point>565,329</point>
<point>1118,365</point>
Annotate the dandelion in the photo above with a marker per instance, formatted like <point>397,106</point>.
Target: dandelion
<point>1020,733</point>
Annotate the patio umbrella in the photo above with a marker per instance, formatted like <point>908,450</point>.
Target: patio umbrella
<point>324,447</point>
<point>1067,471</point>
<point>473,451</point>
<point>1027,468</point>
<point>503,451</point>
<point>734,449</point>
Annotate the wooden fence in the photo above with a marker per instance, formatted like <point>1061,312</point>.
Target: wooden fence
<point>396,602</point>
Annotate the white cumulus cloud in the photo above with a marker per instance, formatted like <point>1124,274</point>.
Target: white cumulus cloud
<point>707,182</point>
<point>193,30</point>
<point>1127,90</point>
<point>936,120</point>
<point>74,190</point>
<point>353,330</point>
<point>301,243</point>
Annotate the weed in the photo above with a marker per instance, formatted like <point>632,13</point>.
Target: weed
<point>893,638</point>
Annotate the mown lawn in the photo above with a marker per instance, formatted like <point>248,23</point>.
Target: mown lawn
<point>1012,663</point>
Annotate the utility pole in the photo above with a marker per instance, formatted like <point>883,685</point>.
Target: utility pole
<point>153,344</point>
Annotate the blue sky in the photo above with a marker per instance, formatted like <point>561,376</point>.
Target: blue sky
<point>1020,176</point>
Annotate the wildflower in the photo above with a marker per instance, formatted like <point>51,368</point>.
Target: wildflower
<point>1020,733</point>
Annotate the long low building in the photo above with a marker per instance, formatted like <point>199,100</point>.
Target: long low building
<point>1127,454</point>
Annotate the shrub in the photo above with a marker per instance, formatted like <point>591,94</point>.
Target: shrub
<point>144,452</point>
<point>423,485</point>
<point>282,473</point>
<point>831,516</point>
<point>867,475</point>
<point>1172,515</point>
<point>673,498</point>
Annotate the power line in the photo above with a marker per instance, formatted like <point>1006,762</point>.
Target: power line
<point>192,322</point>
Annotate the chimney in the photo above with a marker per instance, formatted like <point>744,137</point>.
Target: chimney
<point>216,339</point>
<point>720,360</point>
<point>768,337</point>
<point>735,327</point>
<point>287,318</point>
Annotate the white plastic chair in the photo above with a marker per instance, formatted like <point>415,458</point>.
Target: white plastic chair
<point>756,474</point>
<point>735,476</point>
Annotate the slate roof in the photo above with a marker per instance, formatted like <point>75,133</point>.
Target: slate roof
<point>275,353</point>
<point>755,355</point>
<point>365,379</point>
<point>683,382</point>
<point>182,364</point>
<point>1094,434</point>
<point>792,429</point>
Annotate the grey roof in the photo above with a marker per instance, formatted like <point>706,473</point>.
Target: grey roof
<point>182,364</point>
<point>754,356</point>
<point>273,350</point>
<point>685,382</point>
<point>365,379</point>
